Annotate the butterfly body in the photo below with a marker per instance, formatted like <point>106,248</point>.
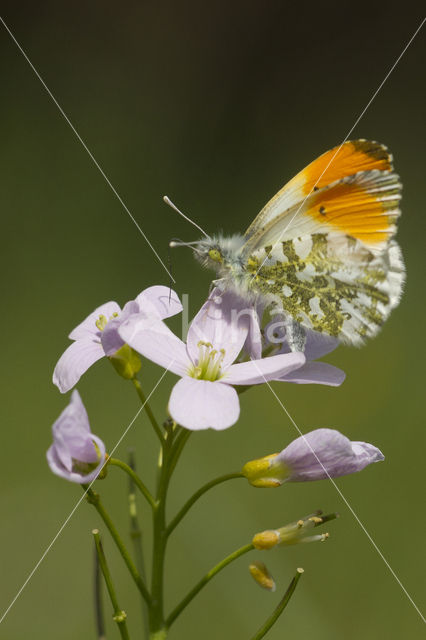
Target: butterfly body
<point>322,250</point>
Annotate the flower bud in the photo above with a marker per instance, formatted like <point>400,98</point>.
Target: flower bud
<point>261,575</point>
<point>76,453</point>
<point>266,472</point>
<point>266,539</point>
<point>126,362</point>
<point>319,454</point>
<point>293,533</point>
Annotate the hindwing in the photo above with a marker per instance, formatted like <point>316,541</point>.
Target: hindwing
<point>329,282</point>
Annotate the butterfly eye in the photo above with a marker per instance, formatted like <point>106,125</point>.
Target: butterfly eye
<point>215,255</point>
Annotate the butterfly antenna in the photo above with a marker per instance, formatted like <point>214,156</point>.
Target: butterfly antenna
<point>170,203</point>
<point>169,264</point>
<point>175,242</point>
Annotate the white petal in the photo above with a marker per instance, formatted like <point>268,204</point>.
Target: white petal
<point>325,453</point>
<point>222,323</point>
<point>200,404</point>
<point>74,362</point>
<point>259,371</point>
<point>88,328</point>
<point>316,373</point>
<point>155,341</point>
<point>162,300</point>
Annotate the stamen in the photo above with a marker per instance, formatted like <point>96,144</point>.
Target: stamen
<point>101,322</point>
<point>209,362</point>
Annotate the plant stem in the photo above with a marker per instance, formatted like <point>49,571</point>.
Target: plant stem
<point>214,571</point>
<point>157,624</point>
<point>279,609</point>
<point>94,499</point>
<point>119,614</point>
<point>97,597</point>
<point>180,441</point>
<point>136,535</point>
<point>147,408</point>
<point>209,485</point>
<point>134,478</point>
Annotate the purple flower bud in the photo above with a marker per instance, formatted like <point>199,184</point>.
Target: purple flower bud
<point>76,454</point>
<point>325,453</point>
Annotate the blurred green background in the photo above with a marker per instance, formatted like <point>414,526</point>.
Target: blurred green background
<point>217,105</point>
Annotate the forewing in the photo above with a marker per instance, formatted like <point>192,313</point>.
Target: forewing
<point>364,205</point>
<point>330,282</point>
<point>342,161</point>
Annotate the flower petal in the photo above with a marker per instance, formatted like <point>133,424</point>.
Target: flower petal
<point>88,328</point>
<point>163,300</point>
<point>317,344</point>
<point>154,340</point>
<point>59,469</point>
<point>316,373</point>
<point>75,361</point>
<point>222,322</point>
<point>258,371</point>
<point>200,404</point>
<point>253,344</point>
<point>326,453</point>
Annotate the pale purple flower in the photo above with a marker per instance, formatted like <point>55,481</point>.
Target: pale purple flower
<point>204,396</point>
<point>317,345</point>
<point>320,454</point>
<point>326,453</point>
<point>97,336</point>
<point>76,454</point>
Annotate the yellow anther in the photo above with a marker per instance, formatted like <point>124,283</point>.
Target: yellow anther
<point>300,523</point>
<point>101,322</point>
<point>315,520</point>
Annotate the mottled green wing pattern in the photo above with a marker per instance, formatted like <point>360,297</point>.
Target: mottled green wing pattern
<point>330,283</point>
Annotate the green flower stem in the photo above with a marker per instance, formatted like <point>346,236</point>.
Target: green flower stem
<point>280,608</point>
<point>134,478</point>
<point>97,597</point>
<point>94,499</point>
<point>119,614</point>
<point>147,408</point>
<point>158,627</point>
<point>214,571</point>
<point>136,535</point>
<point>193,499</point>
<point>181,438</point>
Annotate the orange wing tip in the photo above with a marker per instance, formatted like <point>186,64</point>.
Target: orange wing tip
<point>345,160</point>
<point>375,150</point>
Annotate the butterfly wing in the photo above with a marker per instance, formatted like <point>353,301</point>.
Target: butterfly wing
<point>346,160</point>
<point>364,205</point>
<point>330,282</point>
<point>322,248</point>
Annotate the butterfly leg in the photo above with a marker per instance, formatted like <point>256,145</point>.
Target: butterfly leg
<point>295,335</point>
<point>217,284</point>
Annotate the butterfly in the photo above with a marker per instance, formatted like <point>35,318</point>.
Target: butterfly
<point>321,251</point>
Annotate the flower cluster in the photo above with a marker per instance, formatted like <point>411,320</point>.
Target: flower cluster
<point>225,348</point>
<point>228,349</point>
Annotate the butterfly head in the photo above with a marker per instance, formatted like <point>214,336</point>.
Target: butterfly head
<point>218,253</point>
